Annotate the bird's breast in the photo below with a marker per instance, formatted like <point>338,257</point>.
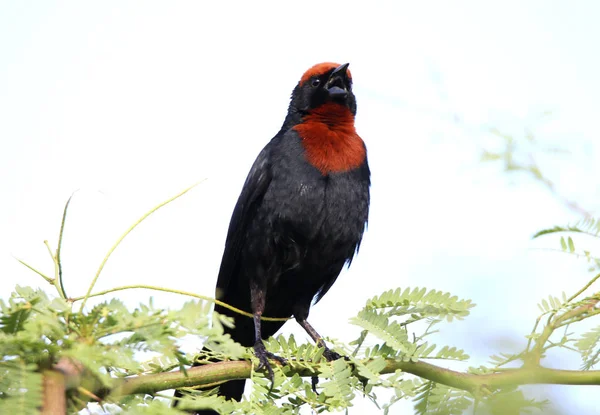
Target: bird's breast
<point>331,148</point>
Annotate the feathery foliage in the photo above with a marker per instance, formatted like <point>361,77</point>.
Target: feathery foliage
<point>20,387</point>
<point>101,351</point>
<point>588,346</point>
<point>434,398</point>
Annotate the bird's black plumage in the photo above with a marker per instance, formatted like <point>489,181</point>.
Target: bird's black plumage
<point>300,216</point>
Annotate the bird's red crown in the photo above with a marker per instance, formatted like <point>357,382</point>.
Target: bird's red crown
<point>319,69</point>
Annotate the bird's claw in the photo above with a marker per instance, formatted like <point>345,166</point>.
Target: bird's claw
<point>263,356</point>
<point>314,381</point>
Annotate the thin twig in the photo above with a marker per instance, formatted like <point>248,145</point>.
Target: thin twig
<point>132,227</point>
<point>171,290</point>
<point>41,274</point>
<point>585,287</point>
<point>59,284</point>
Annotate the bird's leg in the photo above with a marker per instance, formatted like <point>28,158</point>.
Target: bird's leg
<point>329,354</point>
<point>258,306</point>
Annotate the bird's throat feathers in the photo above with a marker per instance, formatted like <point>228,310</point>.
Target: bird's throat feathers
<point>330,139</point>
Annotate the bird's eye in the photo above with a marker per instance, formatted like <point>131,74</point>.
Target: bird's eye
<point>316,82</point>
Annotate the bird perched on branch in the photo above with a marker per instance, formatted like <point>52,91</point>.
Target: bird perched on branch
<point>299,218</point>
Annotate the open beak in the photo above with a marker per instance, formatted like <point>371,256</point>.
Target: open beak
<point>337,84</point>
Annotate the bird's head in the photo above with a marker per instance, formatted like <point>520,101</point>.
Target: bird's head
<point>322,113</point>
<point>324,83</point>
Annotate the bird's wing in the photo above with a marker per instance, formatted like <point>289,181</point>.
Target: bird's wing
<point>254,189</point>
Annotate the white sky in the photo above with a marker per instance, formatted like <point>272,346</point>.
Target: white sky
<point>130,102</point>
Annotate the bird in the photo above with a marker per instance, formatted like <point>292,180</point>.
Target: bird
<point>299,219</point>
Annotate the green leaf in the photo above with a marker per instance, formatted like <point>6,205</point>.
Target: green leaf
<point>419,303</point>
<point>589,226</point>
<point>563,244</point>
<point>20,388</point>
<point>447,352</point>
<point>371,369</point>
<point>587,346</point>
<point>379,325</point>
<point>434,398</point>
<point>510,401</point>
<point>338,390</point>
<point>15,321</point>
<point>549,231</point>
<point>571,245</point>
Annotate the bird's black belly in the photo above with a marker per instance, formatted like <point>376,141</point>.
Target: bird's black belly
<point>314,232</point>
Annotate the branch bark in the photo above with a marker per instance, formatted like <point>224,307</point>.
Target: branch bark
<point>55,399</point>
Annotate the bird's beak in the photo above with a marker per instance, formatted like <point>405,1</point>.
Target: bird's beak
<point>337,84</point>
<point>340,70</point>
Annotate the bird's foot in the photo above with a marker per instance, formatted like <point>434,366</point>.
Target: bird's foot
<point>263,356</point>
<point>330,355</point>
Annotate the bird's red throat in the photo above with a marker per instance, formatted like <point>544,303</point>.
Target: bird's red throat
<point>330,139</point>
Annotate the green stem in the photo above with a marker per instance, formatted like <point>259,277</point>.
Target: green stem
<point>55,280</point>
<point>585,287</point>
<point>116,244</point>
<point>41,274</point>
<point>59,283</point>
<point>554,323</point>
<point>170,290</point>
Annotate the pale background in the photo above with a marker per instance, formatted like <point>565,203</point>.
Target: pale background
<point>130,102</point>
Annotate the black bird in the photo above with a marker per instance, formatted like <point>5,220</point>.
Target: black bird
<point>300,216</point>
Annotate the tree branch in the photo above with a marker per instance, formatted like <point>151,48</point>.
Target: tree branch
<point>55,400</point>
<point>215,373</point>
